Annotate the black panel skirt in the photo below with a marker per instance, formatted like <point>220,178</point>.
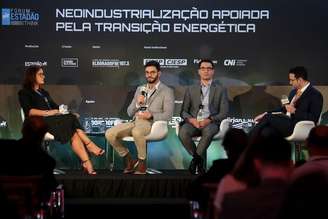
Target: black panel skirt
<point>63,127</point>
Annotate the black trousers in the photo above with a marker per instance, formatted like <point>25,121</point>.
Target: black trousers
<point>277,122</point>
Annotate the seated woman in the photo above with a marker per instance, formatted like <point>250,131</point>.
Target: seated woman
<point>36,101</point>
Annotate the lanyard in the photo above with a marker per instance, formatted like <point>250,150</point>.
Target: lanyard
<point>44,98</point>
<point>149,96</point>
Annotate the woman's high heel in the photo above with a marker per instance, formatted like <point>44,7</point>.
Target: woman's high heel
<point>95,150</point>
<point>88,168</point>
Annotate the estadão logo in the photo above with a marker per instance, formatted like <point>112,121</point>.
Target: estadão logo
<point>19,17</point>
<point>5,14</point>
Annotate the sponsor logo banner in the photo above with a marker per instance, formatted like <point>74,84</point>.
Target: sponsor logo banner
<point>109,63</point>
<point>69,62</point>
<point>19,17</point>
<point>168,63</point>
<point>30,63</point>
<point>235,62</point>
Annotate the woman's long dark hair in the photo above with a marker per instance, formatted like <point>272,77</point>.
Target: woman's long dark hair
<point>30,76</point>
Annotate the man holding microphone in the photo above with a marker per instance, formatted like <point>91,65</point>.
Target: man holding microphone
<point>304,103</point>
<point>153,101</point>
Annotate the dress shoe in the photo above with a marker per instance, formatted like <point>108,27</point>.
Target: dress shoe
<point>94,149</point>
<point>200,167</point>
<point>197,165</point>
<point>130,164</point>
<point>193,166</point>
<point>141,167</point>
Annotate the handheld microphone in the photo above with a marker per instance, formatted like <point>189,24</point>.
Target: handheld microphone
<point>284,100</point>
<point>144,91</point>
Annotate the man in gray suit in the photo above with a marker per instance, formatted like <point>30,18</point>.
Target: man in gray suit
<point>153,101</point>
<point>204,106</point>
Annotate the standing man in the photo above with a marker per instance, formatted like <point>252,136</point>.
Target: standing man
<point>153,101</point>
<point>204,106</point>
<point>304,103</point>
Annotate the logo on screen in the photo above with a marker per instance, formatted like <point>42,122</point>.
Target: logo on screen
<point>242,123</point>
<point>31,63</point>
<point>168,63</point>
<point>176,62</point>
<point>109,63</point>
<point>235,62</point>
<point>5,16</point>
<point>3,124</point>
<point>160,61</point>
<point>19,17</point>
<point>197,61</point>
<point>69,62</point>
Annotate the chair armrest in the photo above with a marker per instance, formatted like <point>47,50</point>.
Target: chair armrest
<point>224,127</point>
<point>158,131</point>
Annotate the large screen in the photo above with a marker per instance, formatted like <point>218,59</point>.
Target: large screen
<point>93,52</point>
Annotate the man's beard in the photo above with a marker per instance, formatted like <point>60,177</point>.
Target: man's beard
<point>151,80</point>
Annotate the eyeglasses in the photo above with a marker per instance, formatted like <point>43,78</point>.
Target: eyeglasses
<point>151,72</point>
<point>206,68</point>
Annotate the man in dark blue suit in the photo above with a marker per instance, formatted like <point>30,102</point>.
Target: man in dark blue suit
<point>304,103</point>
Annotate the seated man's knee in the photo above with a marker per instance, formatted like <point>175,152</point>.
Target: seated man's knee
<point>110,135</point>
<point>210,132</point>
<point>184,133</point>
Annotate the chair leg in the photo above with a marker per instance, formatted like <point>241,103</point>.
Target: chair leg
<point>150,170</point>
<point>298,151</point>
<point>110,156</point>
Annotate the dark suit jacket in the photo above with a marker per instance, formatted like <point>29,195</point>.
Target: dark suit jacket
<point>262,202</point>
<point>308,106</point>
<point>218,102</point>
<point>29,99</point>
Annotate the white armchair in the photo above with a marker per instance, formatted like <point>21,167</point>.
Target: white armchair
<point>159,131</point>
<point>299,135</point>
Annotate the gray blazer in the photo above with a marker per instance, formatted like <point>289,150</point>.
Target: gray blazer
<point>160,104</point>
<point>218,102</point>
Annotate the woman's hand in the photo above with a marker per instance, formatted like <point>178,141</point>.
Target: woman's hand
<point>52,112</point>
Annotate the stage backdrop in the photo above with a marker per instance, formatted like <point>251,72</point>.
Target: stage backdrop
<point>93,53</point>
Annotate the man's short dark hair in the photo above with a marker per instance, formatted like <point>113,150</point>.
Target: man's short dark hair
<point>318,137</point>
<point>299,72</point>
<point>206,60</point>
<point>153,63</point>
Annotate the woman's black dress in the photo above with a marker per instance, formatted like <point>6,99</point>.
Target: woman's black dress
<point>62,127</point>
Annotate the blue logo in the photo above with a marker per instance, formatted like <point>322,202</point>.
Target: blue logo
<point>5,16</point>
<point>20,17</point>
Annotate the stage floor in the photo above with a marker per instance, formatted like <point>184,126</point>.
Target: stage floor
<point>151,195</point>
